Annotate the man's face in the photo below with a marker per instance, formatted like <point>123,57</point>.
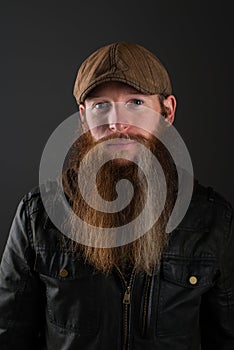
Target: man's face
<point>123,113</point>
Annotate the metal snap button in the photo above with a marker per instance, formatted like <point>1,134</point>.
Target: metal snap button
<point>193,280</point>
<point>63,273</point>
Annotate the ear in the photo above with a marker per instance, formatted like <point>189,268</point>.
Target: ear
<point>82,116</point>
<point>170,104</point>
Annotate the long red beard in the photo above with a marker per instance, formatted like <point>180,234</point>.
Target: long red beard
<point>143,253</point>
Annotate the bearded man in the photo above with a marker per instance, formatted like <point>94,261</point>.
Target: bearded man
<point>121,279</point>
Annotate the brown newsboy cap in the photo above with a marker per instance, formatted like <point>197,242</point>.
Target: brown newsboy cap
<point>128,63</point>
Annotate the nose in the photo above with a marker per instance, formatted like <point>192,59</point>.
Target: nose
<point>117,122</point>
<point>118,127</point>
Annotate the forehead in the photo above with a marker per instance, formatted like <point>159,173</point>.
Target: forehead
<point>112,88</point>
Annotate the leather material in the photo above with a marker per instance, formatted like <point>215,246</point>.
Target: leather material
<point>51,299</point>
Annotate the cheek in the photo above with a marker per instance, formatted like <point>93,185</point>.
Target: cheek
<point>147,125</point>
<point>147,132</point>
<point>152,125</point>
<point>99,132</point>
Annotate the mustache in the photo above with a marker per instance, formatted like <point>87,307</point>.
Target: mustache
<point>125,136</point>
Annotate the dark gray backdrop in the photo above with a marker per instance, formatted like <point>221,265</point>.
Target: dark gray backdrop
<point>42,45</point>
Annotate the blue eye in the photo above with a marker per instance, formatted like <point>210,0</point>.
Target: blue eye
<point>102,105</point>
<point>101,108</point>
<point>137,102</point>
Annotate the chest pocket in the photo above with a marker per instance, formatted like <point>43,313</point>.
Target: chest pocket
<point>71,292</point>
<point>190,273</point>
<point>183,282</point>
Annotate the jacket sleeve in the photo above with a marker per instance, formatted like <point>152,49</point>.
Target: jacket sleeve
<point>217,307</point>
<point>20,289</point>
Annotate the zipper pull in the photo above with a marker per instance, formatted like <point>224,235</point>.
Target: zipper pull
<point>126,299</point>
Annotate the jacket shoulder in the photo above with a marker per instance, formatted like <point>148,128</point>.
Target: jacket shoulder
<point>35,198</point>
<point>207,208</point>
<point>209,194</point>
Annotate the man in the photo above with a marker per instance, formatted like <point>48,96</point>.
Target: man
<point>101,287</point>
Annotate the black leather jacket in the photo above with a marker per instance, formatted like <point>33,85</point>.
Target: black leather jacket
<point>50,299</point>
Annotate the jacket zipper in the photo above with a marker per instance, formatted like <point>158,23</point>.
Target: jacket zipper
<point>145,306</point>
<point>146,315</point>
<point>126,302</point>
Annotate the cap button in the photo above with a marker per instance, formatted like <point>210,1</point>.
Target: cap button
<point>193,280</point>
<point>63,273</point>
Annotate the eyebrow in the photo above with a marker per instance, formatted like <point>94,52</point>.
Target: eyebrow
<point>96,96</point>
